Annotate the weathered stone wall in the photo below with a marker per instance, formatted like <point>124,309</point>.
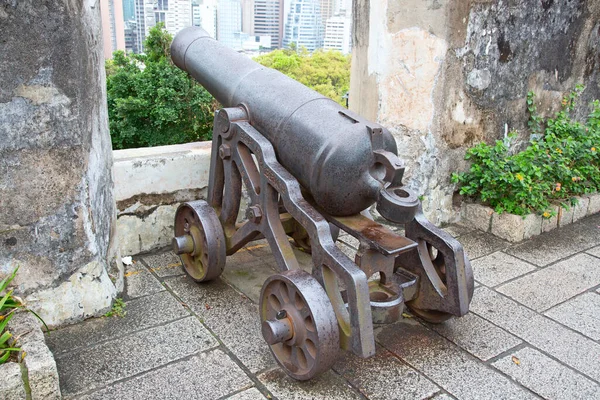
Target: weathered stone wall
<point>443,75</point>
<point>57,211</point>
<point>150,183</point>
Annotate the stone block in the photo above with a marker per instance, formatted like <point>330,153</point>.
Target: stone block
<point>553,285</point>
<point>558,244</point>
<point>581,314</point>
<point>546,377</point>
<point>11,384</point>
<point>476,216</point>
<point>107,362</point>
<point>551,223</point>
<point>477,336</point>
<point>230,315</point>
<point>384,376</point>
<point>507,226</point>
<point>209,375</point>
<point>499,267</point>
<point>435,357</point>
<point>569,347</point>
<point>478,244</point>
<point>249,394</point>
<point>565,216</point>
<point>594,204</point>
<point>581,208</point>
<point>41,371</point>
<point>25,326</point>
<point>141,313</point>
<point>532,226</point>
<point>323,387</point>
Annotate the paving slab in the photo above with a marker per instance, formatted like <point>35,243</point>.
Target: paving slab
<point>479,337</point>
<point>42,373</point>
<point>140,314</point>
<point>206,376</point>
<point>558,244</point>
<point>349,240</point>
<point>458,230</point>
<point>250,275</point>
<point>443,396</point>
<point>571,348</point>
<point>126,356</point>
<point>384,376</point>
<point>139,281</point>
<point>230,315</point>
<point>498,268</point>
<point>554,284</point>
<point>478,244</point>
<point>164,264</point>
<point>459,373</point>
<point>547,377</point>
<point>324,387</point>
<point>581,313</point>
<point>595,251</point>
<point>249,394</point>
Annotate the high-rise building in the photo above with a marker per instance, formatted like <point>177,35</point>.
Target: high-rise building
<point>113,31</point>
<point>131,43</point>
<point>229,23</point>
<point>248,16</point>
<point>175,14</point>
<point>338,32</point>
<point>327,9</point>
<point>268,20</point>
<point>304,25</point>
<point>178,15</point>
<point>128,10</point>
<point>207,11</point>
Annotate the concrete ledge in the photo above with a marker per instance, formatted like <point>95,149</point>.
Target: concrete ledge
<point>150,183</point>
<point>515,228</point>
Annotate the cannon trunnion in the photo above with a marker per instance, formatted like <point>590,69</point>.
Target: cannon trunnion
<point>311,168</point>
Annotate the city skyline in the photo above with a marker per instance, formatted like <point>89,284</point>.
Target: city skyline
<point>244,25</point>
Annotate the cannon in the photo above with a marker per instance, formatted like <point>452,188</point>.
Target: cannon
<point>311,169</point>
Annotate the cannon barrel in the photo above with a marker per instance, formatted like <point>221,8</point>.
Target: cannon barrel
<point>327,148</point>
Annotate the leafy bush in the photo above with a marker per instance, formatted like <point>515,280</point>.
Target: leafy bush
<point>8,305</point>
<point>557,165</point>
<point>151,102</point>
<point>327,72</point>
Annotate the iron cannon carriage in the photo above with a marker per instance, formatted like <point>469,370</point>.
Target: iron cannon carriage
<point>311,168</point>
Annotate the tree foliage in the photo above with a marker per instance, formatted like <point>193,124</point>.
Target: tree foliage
<point>327,72</point>
<point>151,102</point>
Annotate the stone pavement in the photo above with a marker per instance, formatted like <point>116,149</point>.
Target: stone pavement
<point>533,332</point>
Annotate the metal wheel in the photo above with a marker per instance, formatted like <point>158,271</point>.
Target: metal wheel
<point>299,324</point>
<point>436,258</point>
<point>199,240</point>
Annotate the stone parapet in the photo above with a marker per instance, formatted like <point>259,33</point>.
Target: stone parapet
<point>515,228</point>
<point>150,183</point>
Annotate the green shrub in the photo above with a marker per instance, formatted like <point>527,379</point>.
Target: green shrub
<point>8,305</point>
<point>557,165</point>
<point>151,102</point>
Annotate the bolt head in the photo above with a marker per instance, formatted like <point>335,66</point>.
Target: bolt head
<point>281,314</point>
<point>254,214</point>
<point>224,151</point>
